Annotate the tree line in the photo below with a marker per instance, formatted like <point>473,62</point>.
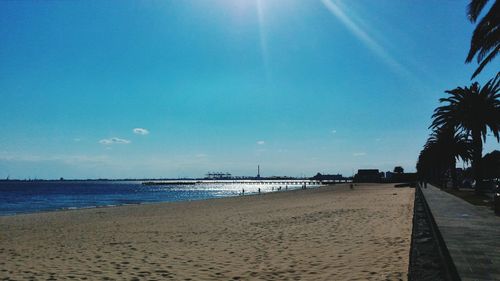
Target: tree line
<point>461,124</point>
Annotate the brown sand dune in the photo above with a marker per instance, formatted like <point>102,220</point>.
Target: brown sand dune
<point>330,233</point>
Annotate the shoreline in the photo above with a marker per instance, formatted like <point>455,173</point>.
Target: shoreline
<point>62,196</point>
<point>69,209</point>
<point>327,233</point>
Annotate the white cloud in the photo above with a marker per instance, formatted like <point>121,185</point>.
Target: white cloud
<point>261,142</point>
<point>140,131</point>
<point>114,140</point>
<point>358,154</point>
<point>334,131</point>
<point>77,139</point>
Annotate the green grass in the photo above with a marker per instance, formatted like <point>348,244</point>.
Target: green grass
<point>470,196</point>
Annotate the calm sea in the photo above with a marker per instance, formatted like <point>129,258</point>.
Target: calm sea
<point>18,197</point>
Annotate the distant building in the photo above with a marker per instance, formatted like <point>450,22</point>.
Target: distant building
<point>218,176</point>
<point>389,175</point>
<point>320,177</point>
<point>399,177</point>
<point>367,175</point>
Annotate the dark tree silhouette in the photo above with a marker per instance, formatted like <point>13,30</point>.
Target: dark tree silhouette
<point>472,110</point>
<point>441,151</point>
<point>485,41</point>
<point>491,165</point>
<point>429,166</point>
<point>399,170</point>
<point>450,146</point>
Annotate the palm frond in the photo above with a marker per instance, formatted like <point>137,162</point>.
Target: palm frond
<point>485,41</point>
<point>474,9</point>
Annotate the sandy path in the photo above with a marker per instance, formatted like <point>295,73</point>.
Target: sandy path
<point>331,233</point>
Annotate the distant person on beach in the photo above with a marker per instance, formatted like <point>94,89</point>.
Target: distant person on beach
<point>259,190</point>
<point>242,191</point>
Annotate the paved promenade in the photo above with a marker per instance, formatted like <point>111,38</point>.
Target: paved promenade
<point>471,234</point>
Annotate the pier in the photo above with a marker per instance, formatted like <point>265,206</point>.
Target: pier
<point>247,182</point>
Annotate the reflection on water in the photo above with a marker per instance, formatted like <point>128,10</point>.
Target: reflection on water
<point>35,196</point>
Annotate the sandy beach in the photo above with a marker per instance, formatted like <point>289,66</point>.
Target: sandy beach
<point>330,233</point>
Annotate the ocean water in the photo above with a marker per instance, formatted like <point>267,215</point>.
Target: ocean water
<point>17,197</point>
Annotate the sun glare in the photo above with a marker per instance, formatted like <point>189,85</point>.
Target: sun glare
<point>263,37</point>
<point>371,43</point>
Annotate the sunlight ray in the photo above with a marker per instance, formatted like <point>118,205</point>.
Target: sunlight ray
<point>263,37</point>
<point>370,42</point>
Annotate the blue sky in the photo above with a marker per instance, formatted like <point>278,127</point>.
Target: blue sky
<point>298,87</point>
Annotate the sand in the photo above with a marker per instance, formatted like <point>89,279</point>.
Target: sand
<point>330,233</point>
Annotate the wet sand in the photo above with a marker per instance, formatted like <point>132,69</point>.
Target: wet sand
<point>330,233</point>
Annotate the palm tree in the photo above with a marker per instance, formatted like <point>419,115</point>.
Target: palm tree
<point>430,166</point>
<point>485,42</point>
<point>424,167</point>
<point>472,110</point>
<point>450,146</point>
<point>491,164</point>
